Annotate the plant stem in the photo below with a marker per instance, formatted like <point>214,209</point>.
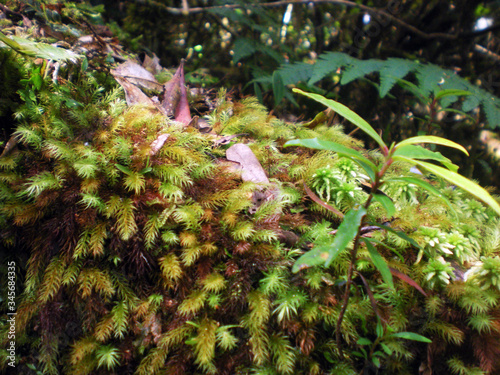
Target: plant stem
<point>354,253</point>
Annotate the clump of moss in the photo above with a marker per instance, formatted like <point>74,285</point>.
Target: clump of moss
<point>152,261</point>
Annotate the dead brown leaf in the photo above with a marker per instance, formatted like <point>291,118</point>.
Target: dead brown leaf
<point>251,170</point>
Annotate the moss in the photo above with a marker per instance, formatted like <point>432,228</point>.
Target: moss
<point>146,262</point>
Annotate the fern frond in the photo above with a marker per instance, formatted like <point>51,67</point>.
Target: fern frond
<point>328,63</point>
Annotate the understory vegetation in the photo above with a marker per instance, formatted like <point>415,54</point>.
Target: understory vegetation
<point>135,258</point>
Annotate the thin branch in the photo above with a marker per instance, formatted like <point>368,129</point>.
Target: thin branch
<point>372,11</point>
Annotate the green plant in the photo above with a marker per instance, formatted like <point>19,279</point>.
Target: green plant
<point>350,229</point>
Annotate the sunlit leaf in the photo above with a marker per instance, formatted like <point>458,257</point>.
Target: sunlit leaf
<point>423,184</point>
<point>462,182</point>
<point>418,152</point>
<point>431,139</point>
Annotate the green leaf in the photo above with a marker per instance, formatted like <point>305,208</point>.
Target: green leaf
<point>400,234</point>
<point>386,202</point>
<point>431,139</point>
<point>451,92</point>
<point>326,254</point>
<point>123,169</point>
<point>41,50</point>
<point>418,152</point>
<point>462,182</point>
<point>379,262</point>
<point>278,88</point>
<point>363,341</point>
<point>423,184</point>
<point>379,329</point>
<point>347,113</point>
<point>385,348</point>
<point>335,147</point>
<point>410,336</point>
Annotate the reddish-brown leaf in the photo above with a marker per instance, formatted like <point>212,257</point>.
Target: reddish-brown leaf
<point>407,279</point>
<point>315,198</point>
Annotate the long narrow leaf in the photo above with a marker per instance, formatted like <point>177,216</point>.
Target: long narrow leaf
<point>379,262</point>
<point>347,114</point>
<point>462,182</point>
<point>316,199</point>
<point>418,152</point>
<point>423,184</point>
<point>331,146</point>
<point>400,234</point>
<point>373,301</point>
<point>431,139</point>
<point>407,279</point>
<point>410,336</point>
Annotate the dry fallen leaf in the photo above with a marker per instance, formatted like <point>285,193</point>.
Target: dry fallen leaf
<point>175,103</point>
<point>137,75</point>
<point>251,170</point>
<point>133,94</point>
<point>152,64</point>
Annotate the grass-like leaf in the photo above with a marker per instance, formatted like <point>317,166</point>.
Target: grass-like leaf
<point>431,139</point>
<point>462,182</point>
<point>379,262</point>
<point>348,114</point>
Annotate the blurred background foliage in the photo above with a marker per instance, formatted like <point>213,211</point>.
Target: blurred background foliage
<point>240,45</point>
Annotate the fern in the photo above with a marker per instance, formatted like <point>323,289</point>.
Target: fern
<point>431,79</point>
